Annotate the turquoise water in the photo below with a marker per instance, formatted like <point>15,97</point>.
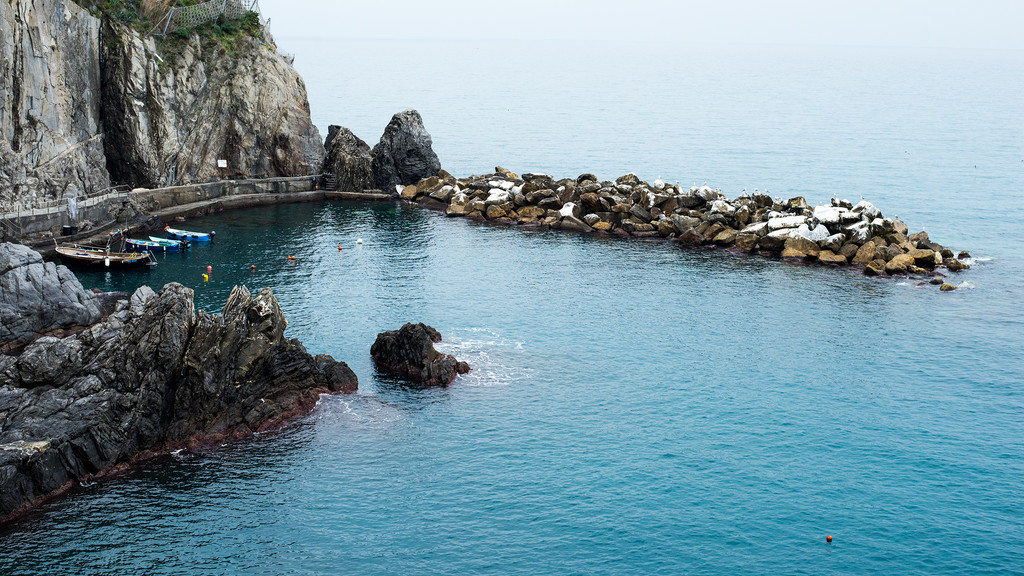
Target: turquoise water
<point>633,408</point>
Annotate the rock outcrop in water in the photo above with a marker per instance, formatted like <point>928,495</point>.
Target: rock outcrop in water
<point>348,159</point>
<point>838,234</point>
<point>405,153</point>
<point>152,376</point>
<point>409,353</point>
<point>87,101</point>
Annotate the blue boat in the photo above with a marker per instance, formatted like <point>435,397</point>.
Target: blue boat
<point>182,243</point>
<point>186,235</point>
<point>151,246</point>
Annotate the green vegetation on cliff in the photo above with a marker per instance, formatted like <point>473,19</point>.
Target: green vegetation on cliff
<point>145,16</point>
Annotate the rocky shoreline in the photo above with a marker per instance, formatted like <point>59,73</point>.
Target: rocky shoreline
<point>840,234</point>
<point>90,384</point>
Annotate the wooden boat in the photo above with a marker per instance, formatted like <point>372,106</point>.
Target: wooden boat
<point>73,254</point>
<point>187,235</point>
<point>162,246</point>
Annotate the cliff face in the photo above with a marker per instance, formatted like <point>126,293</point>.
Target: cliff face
<point>51,143</point>
<point>86,101</point>
<point>170,122</point>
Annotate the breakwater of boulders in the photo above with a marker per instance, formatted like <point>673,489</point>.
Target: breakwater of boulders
<point>840,234</point>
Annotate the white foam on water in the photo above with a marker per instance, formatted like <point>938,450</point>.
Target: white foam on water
<point>364,409</point>
<point>493,359</point>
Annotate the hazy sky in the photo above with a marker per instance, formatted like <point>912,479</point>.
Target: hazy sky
<point>924,23</point>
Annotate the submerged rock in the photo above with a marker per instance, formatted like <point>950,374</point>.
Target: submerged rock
<point>152,376</point>
<point>405,153</point>
<point>409,353</point>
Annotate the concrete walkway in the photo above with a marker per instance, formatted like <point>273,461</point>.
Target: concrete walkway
<point>195,209</point>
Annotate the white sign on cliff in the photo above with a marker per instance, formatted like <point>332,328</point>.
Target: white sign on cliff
<point>222,163</point>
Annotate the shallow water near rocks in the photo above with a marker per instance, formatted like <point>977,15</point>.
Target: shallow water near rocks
<point>633,408</point>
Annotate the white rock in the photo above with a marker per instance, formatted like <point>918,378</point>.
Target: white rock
<point>759,228</point>
<point>859,232</point>
<point>659,184</point>
<point>497,196</point>
<point>827,214</point>
<point>785,222</point>
<point>816,234</point>
<point>833,242</point>
<point>722,207</point>
<point>868,209</point>
<point>568,209</point>
<point>783,233</point>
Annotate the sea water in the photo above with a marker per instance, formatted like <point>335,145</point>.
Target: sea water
<point>633,408</point>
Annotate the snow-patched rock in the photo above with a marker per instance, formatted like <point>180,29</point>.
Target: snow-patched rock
<point>781,222</point>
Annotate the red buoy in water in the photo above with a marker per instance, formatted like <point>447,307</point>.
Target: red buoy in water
<point>209,268</point>
<point>828,539</point>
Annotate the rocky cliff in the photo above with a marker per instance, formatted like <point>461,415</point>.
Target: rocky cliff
<point>169,120</point>
<point>87,101</point>
<point>151,376</point>
<point>51,140</point>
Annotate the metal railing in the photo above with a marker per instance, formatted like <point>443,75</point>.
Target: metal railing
<point>12,220</point>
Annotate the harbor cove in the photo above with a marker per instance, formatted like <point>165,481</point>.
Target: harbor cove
<point>682,307</point>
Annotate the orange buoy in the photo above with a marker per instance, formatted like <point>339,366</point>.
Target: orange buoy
<point>828,539</point>
<point>291,257</point>
<point>209,268</point>
<point>252,267</point>
<point>339,247</point>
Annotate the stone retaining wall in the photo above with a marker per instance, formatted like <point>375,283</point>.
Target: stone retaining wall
<point>37,224</point>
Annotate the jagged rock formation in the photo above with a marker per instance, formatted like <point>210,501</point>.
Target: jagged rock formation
<point>51,143</point>
<point>404,154</point>
<point>170,122</point>
<point>409,353</point>
<point>37,297</point>
<point>348,160</point>
<point>151,376</point>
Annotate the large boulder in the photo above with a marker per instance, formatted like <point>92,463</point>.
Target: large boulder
<point>800,247</point>
<point>37,297</point>
<point>409,353</point>
<point>151,377</point>
<point>348,159</point>
<point>404,154</point>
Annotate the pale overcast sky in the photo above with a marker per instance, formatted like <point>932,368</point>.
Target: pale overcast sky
<point>925,23</point>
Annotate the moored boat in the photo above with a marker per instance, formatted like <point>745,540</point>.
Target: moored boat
<point>188,235</point>
<point>163,246</point>
<point>168,241</point>
<point>73,254</point>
